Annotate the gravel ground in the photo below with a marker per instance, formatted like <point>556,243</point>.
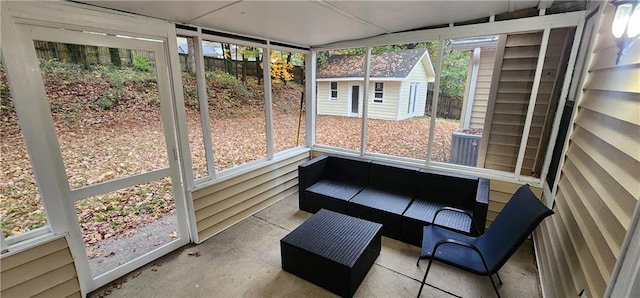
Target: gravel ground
<point>113,252</point>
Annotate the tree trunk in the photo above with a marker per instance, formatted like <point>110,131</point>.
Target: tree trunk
<point>227,58</point>
<point>115,57</point>
<point>244,67</point>
<point>78,55</point>
<point>191,58</point>
<point>258,72</point>
<point>286,69</point>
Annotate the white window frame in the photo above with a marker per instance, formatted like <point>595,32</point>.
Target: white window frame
<point>213,176</point>
<point>539,23</point>
<point>377,92</point>
<point>331,90</point>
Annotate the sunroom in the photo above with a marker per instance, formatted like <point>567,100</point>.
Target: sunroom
<point>134,129</point>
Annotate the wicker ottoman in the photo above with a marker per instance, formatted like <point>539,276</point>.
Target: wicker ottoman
<point>332,250</point>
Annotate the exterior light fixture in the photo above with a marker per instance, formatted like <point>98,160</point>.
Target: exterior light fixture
<point>626,24</point>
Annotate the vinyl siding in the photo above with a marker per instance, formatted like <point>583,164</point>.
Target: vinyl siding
<point>388,109</point>
<point>483,85</point>
<point>221,205</point>
<point>46,270</point>
<point>509,101</point>
<point>326,106</point>
<point>500,193</point>
<point>599,185</point>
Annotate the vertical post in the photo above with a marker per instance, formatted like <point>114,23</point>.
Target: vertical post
<point>475,59</point>
<point>365,103</point>
<point>434,104</point>
<point>266,62</point>
<point>3,244</point>
<point>310,94</point>
<point>203,101</point>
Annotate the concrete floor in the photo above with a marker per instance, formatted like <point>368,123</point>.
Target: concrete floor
<point>244,261</point>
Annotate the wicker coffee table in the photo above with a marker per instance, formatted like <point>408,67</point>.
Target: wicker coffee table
<point>332,250</point>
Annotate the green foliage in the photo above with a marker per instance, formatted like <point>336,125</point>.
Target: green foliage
<point>153,99</point>
<point>78,54</point>
<point>6,104</point>
<point>65,72</point>
<point>190,91</point>
<point>141,63</point>
<point>228,81</point>
<point>453,78</point>
<point>114,55</point>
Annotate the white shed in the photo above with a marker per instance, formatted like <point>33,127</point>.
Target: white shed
<point>397,86</point>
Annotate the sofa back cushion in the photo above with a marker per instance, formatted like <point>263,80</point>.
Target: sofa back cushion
<point>448,189</point>
<point>393,178</point>
<point>348,169</point>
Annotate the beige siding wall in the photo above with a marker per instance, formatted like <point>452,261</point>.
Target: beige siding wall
<point>600,181</point>
<point>483,85</point>
<point>499,194</point>
<point>388,109</point>
<point>46,270</point>
<point>417,75</point>
<point>326,106</point>
<point>221,205</point>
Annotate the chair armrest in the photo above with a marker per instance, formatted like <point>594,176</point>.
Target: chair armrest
<point>473,222</point>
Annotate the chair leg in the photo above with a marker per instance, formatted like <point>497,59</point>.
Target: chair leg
<point>418,263</point>
<point>425,277</point>
<point>498,275</point>
<point>494,286</point>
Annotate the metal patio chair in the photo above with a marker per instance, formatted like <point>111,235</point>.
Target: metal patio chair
<point>487,253</point>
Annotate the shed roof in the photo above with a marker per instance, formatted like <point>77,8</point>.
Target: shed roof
<point>396,64</point>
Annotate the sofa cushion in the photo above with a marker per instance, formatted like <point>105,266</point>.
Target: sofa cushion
<point>422,210</point>
<point>352,170</point>
<point>335,189</point>
<point>382,200</point>
<point>448,189</point>
<point>382,207</point>
<point>393,178</point>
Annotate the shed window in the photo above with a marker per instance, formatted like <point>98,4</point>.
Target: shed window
<point>378,92</point>
<point>334,90</point>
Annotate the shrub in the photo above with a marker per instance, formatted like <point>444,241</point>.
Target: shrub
<point>141,63</point>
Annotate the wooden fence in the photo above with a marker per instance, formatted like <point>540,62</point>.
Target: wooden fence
<point>448,108</point>
<point>95,55</point>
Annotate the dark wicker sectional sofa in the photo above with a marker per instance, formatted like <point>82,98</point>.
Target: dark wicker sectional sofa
<point>402,199</point>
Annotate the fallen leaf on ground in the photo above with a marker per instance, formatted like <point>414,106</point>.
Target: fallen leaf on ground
<point>194,254</point>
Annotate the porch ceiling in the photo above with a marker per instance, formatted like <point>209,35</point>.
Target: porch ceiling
<point>318,22</point>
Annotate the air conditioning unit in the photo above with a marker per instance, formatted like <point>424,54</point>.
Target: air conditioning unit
<point>465,145</point>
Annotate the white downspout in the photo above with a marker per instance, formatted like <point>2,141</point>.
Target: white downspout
<point>472,87</point>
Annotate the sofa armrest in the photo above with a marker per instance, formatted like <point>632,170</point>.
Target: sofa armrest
<point>309,173</point>
<point>445,208</point>
<point>481,204</point>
